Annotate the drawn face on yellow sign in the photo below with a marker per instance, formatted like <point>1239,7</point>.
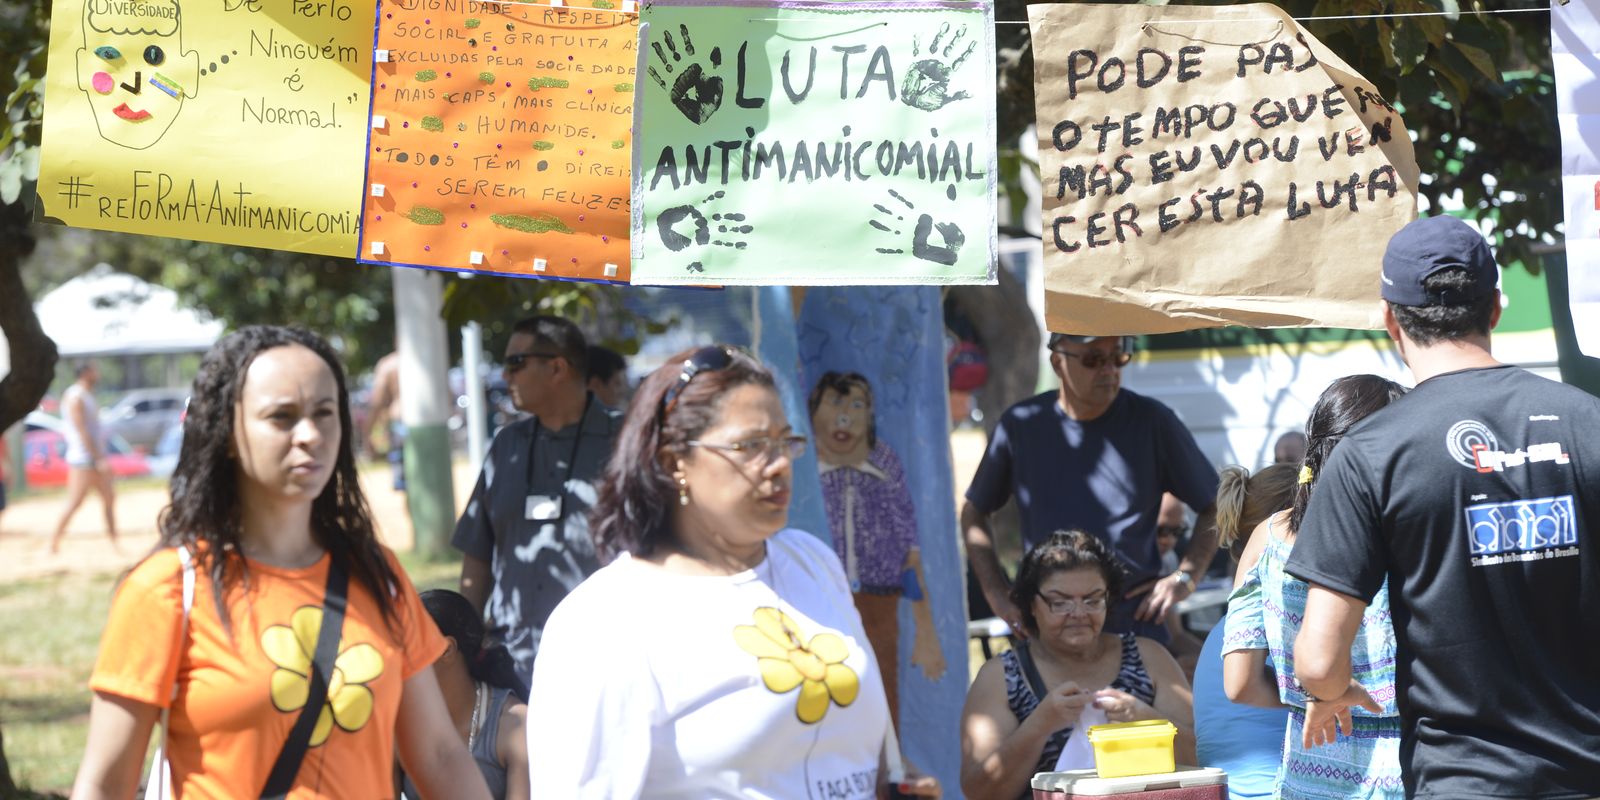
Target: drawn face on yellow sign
<point>133,68</point>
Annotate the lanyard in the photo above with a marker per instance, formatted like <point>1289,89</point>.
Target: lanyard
<point>572,460</point>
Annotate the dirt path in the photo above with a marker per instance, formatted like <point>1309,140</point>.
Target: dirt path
<point>26,524</point>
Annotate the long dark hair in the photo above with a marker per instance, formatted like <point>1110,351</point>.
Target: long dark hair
<point>1064,551</point>
<point>637,489</point>
<point>487,659</point>
<point>1345,402</point>
<point>205,492</point>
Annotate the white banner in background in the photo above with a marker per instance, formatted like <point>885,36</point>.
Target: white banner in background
<point>1575,42</point>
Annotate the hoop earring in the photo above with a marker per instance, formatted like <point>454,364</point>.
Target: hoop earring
<point>683,491</point>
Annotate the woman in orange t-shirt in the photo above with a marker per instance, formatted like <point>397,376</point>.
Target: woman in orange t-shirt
<point>265,497</point>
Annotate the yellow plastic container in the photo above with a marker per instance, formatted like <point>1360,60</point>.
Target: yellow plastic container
<point>1133,748</point>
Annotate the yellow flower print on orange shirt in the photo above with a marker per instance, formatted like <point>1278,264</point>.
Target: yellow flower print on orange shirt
<point>291,647</point>
<point>817,667</point>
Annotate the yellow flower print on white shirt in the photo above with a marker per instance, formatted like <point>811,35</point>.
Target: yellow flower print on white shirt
<point>786,661</point>
<point>291,647</point>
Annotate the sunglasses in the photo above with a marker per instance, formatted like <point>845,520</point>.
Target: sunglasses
<point>706,359</point>
<point>1096,360</point>
<point>517,361</point>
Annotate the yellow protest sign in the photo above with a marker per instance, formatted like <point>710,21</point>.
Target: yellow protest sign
<point>233,121</point>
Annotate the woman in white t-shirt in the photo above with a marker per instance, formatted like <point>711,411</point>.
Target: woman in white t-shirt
<point>719,654</point>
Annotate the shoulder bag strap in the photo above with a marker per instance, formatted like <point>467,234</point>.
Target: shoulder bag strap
<point>158,785</point>
<point>1030,671</point>
<point>281,779</point>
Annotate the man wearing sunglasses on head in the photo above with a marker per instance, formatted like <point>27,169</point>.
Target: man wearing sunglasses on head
<point>1096,457</point>
<point>525,533</point>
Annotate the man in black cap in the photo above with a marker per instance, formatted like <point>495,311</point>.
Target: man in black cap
<point>1478,497</point>
<point>1095,457</point>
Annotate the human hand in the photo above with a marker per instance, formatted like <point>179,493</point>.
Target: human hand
<point>1160,597</point>
<point>1064,704</point>
<point>1121,706</point>
<point>913,785</point>
<point>1325,718</point>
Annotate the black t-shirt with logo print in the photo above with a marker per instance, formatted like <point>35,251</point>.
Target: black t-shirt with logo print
<point>1478,496</point>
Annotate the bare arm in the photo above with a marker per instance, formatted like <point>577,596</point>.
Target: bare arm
<point>1322,650</point>
<point>476,581</point>
<point>979,535</point>
<point>119,731</point>
<point>1203,545</point>
<point>513,747</point>
<point>1174,700</point>
<point>431,750</point>
<point>998,754</point>
<point>1248,679</point>
<point>1168,591</point>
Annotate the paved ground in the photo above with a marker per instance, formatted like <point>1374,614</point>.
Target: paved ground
<point>26,524</point>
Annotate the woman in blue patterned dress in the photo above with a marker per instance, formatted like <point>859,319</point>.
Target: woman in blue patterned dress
<point>1264,615</point>
<point>1009,730</point>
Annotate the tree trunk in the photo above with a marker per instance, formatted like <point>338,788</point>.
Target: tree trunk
<point>33,357</point>
<point>1006,329</point>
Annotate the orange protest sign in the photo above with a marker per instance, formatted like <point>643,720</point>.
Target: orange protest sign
<point>499,138</point>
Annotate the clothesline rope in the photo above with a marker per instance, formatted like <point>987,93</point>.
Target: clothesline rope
<point>1253,19</point>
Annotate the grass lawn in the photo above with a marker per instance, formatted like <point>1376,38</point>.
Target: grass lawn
<point>52,634</point>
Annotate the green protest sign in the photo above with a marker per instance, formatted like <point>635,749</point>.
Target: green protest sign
<point>812,143</point>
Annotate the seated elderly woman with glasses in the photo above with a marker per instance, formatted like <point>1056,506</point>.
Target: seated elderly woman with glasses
<point>719,654</point>
<point>1024,704</point>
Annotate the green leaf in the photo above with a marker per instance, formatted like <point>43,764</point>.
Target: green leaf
<point>1480,59</point>
<point>1386,42</point>
<point>1410,47</point>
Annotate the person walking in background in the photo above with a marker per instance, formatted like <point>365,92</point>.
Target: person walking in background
<point>1244,741</point>
<point>1264,613</point>
<point>270,576</point>
<point>1097,457</point>
<point>524,536</point>
<point>1475,500</point>
<point>86,455</point>
<point>485,697</point>
<point>1024,704</point>
<point>384,406</point>
<point>608,377</point>
<point>719,654</point>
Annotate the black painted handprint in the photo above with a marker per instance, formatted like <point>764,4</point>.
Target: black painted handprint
<point>950,236</point>
<point>696,92</point>
<point>697,224</point>
<point>927,83</point>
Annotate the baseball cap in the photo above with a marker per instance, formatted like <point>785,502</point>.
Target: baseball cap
<point>1428,245</point>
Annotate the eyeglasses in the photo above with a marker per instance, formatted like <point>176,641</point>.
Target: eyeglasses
<point>1096,359</point>
<point>706,359</point>
<point>763,449</point>
<point>1062,606</point>
<point>517,361</point>
<point>1175,531</point>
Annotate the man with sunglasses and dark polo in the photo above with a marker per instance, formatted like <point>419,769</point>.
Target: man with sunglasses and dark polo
<point>524,535</point>
<point>1096,457</point>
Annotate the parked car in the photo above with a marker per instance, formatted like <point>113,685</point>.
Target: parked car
<point>163,458</point>
<point>142,416</point>
<point>44,449</point>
